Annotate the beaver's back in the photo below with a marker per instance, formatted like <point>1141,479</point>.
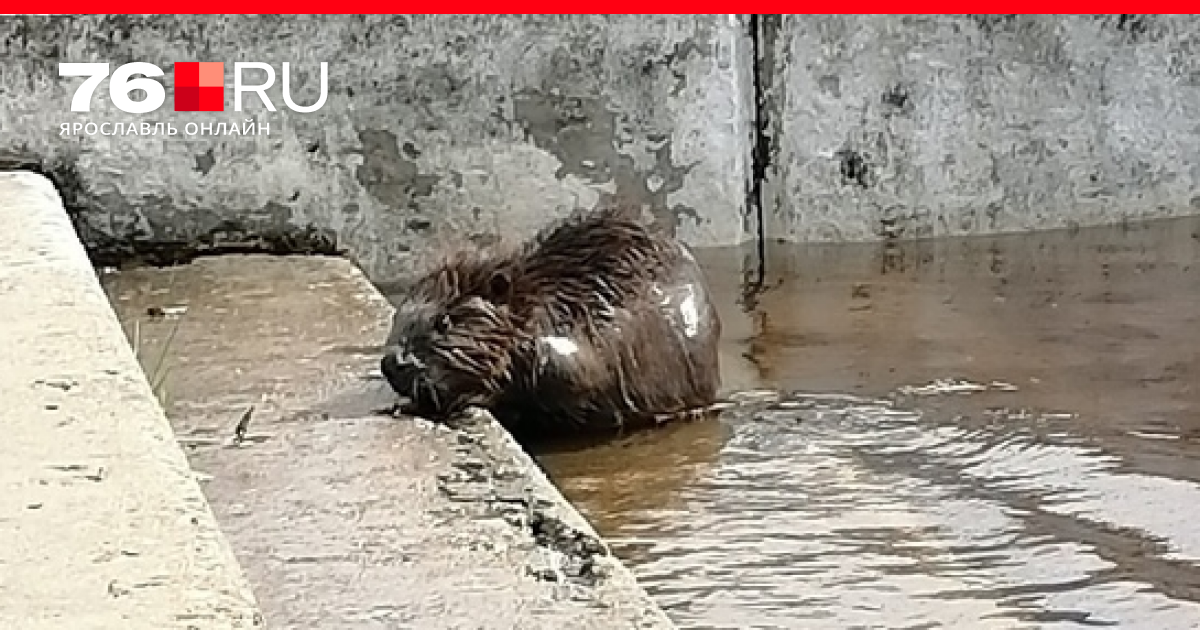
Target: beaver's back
<point>587,265</point>
<point>621,323</point>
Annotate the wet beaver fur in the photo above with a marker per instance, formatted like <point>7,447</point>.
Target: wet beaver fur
<point>599,323</point>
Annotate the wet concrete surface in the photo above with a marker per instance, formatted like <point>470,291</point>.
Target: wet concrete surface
<point>982,433</point>
<point>340,516</point>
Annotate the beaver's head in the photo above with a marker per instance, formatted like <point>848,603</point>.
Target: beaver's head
<point>444,355</point>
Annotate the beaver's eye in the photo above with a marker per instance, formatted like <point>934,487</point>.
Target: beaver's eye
<point>442,324</point>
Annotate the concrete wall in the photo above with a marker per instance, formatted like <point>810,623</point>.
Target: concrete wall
<point>890,126</point>
<point>435,126</point>
<point>452,127</point>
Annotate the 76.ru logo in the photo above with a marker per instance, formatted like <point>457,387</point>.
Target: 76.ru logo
<point>199,86</point>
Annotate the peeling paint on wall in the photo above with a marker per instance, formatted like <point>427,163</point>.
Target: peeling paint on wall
<point>435,129</point>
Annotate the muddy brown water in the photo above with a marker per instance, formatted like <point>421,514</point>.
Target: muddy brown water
<point>1065,494</point>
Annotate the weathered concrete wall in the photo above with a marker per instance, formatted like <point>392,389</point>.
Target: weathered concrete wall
<point>914,126</point>
<point>103,523</point>
<point>466,127</point>
<point>435,126</point>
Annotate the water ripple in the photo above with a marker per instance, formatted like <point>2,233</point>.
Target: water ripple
<point>843,512</point>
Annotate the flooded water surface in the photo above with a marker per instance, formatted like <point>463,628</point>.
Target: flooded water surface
<point>978,433</point>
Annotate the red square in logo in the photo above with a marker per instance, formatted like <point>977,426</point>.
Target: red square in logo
<point>187,99</point>
<point>199,86</point>
<point>212,99</point>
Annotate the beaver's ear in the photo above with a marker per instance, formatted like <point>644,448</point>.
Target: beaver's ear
<point>500,286</point>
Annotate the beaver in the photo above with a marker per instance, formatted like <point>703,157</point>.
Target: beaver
<point>598,323</point>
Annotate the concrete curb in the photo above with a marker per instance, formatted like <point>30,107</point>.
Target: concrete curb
<point>104,523</point>
<point>513,486</point>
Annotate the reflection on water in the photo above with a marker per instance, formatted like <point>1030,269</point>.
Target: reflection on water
<point>1067,496</point>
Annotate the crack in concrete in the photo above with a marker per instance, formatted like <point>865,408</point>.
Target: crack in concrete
<point>762,31</point>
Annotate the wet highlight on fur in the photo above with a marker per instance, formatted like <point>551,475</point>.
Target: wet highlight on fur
<point>597,324</point>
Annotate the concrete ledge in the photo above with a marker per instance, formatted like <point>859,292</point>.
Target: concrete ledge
<point>512,485</point>
<point>103,524</point>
